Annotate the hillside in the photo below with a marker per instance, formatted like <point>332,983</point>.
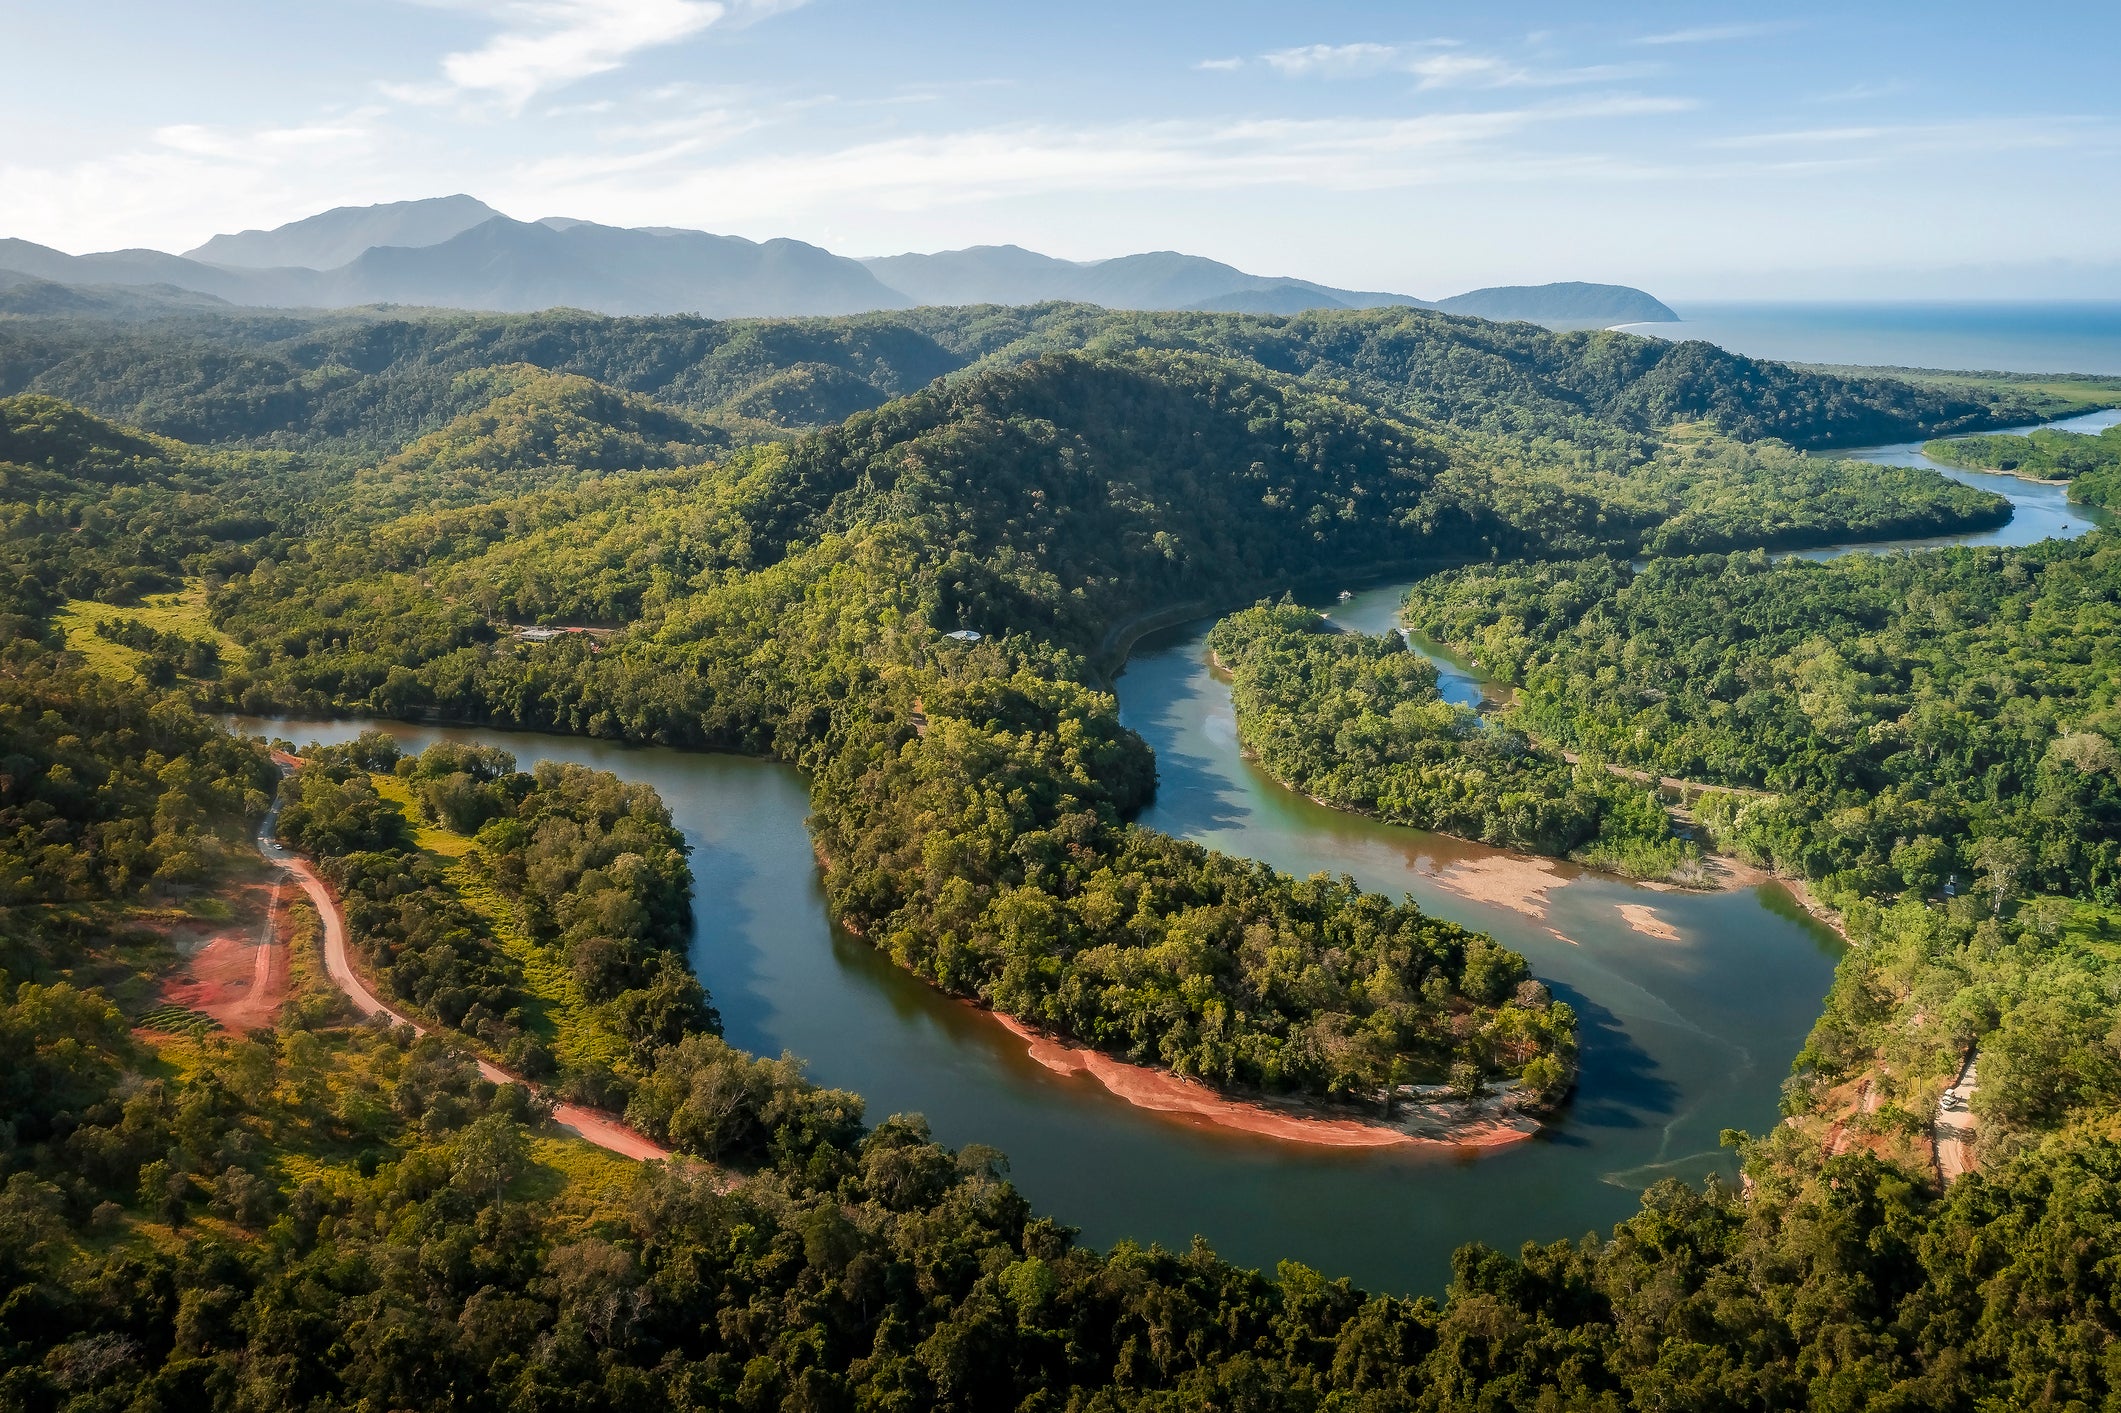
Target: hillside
<point>377,381</point>
<point>535,430</point>
<point>1566,303</point>
<point>93,510</point>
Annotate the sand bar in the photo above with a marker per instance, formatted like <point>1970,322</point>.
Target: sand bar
<point>1507,880</point>
<point>1645,921</point>
<point>1163,1092</point>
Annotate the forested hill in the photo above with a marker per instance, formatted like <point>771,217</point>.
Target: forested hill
<point>372,382</point>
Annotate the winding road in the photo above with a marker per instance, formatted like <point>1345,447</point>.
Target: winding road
<point>586,1124</point>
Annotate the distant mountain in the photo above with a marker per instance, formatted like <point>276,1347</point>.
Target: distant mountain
<point>508,265</point>
<point>457,252</point>
<point>513,266</point>
<point>1164,279</point>
<point>26,296</point>
<point>131,267</point>
<point>1570,302</point>
<point>329,240</point>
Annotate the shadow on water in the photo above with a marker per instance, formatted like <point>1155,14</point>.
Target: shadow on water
<point>1619,1085</point>
<point>1189,783</point>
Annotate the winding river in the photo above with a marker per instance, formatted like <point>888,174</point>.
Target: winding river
<point>1680,1038</point>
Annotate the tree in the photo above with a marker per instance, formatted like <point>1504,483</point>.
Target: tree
<point>492,1152</point>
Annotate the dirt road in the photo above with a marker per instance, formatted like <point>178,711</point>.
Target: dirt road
<point>600,1129</point>
<point>1953,1134</point>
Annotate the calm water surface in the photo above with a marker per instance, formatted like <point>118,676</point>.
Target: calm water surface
<point>2024,336</point>
<point>2039,510</point>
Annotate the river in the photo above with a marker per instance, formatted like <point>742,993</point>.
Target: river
<point>1680,1039</point>
<point>2040,510</point>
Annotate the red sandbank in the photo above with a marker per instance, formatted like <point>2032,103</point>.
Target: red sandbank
<point>1167,1093</point>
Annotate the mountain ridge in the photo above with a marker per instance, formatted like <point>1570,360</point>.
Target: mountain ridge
<point>331,238</point>
<point>457,252</point>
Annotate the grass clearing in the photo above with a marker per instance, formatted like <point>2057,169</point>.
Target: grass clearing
<point>182,613</point>
<point>554,1008</point>
<point>443,843</point>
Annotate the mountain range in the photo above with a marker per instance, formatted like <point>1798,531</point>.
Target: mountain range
<point>458,252</point>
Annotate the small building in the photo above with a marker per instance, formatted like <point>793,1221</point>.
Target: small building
<point>963,635</point>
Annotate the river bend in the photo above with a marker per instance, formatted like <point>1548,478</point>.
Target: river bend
<point>1680,1039</point>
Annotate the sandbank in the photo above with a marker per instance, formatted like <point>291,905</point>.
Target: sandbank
<point>1163,1092</point>
<point>1644,920</point>
<point>1507,880</point>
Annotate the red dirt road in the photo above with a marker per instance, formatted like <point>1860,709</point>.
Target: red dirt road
<point>587,1124</point>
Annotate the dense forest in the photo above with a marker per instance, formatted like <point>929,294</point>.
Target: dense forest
<point>357,515</point>
<point>372,382</point>
<point>328,1215</point>
<point>1938,736</point>
<point>1930,721</point>
<point>1356,720</point>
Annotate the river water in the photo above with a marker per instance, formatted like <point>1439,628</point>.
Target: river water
<point>1680,1039</point>
<point>2040,510</point>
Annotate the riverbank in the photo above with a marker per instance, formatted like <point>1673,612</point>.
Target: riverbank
<point>1116,645</point>
<point>1490,1123</point>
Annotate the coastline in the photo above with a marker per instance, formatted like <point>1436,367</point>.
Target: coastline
<point>1160,1091</point>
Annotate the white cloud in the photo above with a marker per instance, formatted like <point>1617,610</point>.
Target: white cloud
<point>1885,141</point>
<point>1436,63</point>
<point>189,180</point>
<point>1335,60</point>
<point>1220,64</point>
<point>915,174</point>
<point>547,44</point>
<point>1713,34</point>
<point>262,145</point>
<point>1455,70</point>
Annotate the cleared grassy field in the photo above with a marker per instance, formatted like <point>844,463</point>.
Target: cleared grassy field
<point>182,613</point>
<point>554,1008</point>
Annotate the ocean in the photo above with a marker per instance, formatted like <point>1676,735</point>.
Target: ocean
<point>2053,337</point>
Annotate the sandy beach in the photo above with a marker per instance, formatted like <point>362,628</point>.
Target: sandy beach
<point>1163,1092</point>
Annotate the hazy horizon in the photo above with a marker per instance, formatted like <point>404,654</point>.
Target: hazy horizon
<point>1701,152</point>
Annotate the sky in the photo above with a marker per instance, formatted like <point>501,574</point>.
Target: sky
<point>1701,151</point>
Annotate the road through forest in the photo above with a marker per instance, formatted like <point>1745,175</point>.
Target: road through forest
<point>587,1124</point>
